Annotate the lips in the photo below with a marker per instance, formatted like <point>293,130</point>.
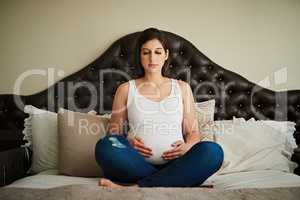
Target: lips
<point>152,65</point>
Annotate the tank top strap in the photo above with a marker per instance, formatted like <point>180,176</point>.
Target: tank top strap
<point>131,91</point>
<point>175,87</point>
<point>172,87</point>
<point>131,85</point>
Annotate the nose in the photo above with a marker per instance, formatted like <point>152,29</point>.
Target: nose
<point>151,57</point>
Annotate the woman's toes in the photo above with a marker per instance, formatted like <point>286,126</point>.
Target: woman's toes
<point>104,182</point>
<point>108,183</point>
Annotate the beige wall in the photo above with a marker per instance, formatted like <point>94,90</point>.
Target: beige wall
<point>254,38</point>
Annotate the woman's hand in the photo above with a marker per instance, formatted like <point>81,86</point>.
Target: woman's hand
<point>139,145</point>
<point>180,148</point>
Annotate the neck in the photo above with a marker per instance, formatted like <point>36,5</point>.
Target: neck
<point>154,78</point>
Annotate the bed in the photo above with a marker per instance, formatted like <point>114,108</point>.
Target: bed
<point>234,95</point>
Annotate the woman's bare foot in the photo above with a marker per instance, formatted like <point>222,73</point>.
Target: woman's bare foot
<point>109,184</point>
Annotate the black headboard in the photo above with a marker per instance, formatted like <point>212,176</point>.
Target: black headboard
<point>235,96</point>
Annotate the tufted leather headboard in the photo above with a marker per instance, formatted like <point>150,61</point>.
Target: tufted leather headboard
<point>94,86</point>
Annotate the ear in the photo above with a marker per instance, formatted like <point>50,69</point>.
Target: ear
<point>167,54</point>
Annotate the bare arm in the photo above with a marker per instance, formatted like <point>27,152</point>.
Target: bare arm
<point>119,117</point>
<point>190,122</point>
<point>119,110</point>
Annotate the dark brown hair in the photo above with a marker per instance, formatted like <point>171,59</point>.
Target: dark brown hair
<point>145,36</point>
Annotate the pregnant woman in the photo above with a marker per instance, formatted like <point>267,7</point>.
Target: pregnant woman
<point>163,147</point>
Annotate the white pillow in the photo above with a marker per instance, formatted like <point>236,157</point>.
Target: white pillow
<point>287,128</point>
<point>42,135</point>
<point>251,145</point>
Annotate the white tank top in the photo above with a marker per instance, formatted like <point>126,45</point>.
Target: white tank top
<point>158,124</point>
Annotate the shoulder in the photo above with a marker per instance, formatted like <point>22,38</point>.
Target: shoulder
<point>123,89</point>
<point>182,83</point>
<point>184,87</point>
<point>124,86</point>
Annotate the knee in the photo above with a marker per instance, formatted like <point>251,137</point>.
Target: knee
<point>107,145</point>
<point>102,147</point>
<point>213,151</point>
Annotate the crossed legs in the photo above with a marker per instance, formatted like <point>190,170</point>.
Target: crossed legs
<point>122,164</point>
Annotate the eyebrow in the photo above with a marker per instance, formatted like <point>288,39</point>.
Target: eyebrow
<point>150,50</point>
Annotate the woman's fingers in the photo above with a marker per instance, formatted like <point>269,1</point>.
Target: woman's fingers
<point>139,139</point>
<point>171,157</point>
<point>173,150</point>
<point>134,142</point>
<point>138,144</point>
<point>172,154</point>
<point>142,150</point>
<point>142,146</point>
<point>177,143</point>
<point>145,155</point>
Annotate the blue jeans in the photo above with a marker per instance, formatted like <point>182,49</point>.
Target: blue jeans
<point>122,163</point>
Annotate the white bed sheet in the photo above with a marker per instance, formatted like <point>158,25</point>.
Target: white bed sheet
<point>51,179</point>
<point>253,179</point>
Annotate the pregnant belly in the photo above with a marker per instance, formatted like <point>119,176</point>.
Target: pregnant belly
<point>159,143</point>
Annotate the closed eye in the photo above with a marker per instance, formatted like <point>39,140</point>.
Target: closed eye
<point>157,52</point>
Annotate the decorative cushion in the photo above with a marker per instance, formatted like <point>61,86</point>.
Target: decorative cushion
<point>205,114</point>
<point>78,134</point>
<point>42,138</point>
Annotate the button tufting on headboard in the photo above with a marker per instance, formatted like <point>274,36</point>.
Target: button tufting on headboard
<point>98,81</point>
